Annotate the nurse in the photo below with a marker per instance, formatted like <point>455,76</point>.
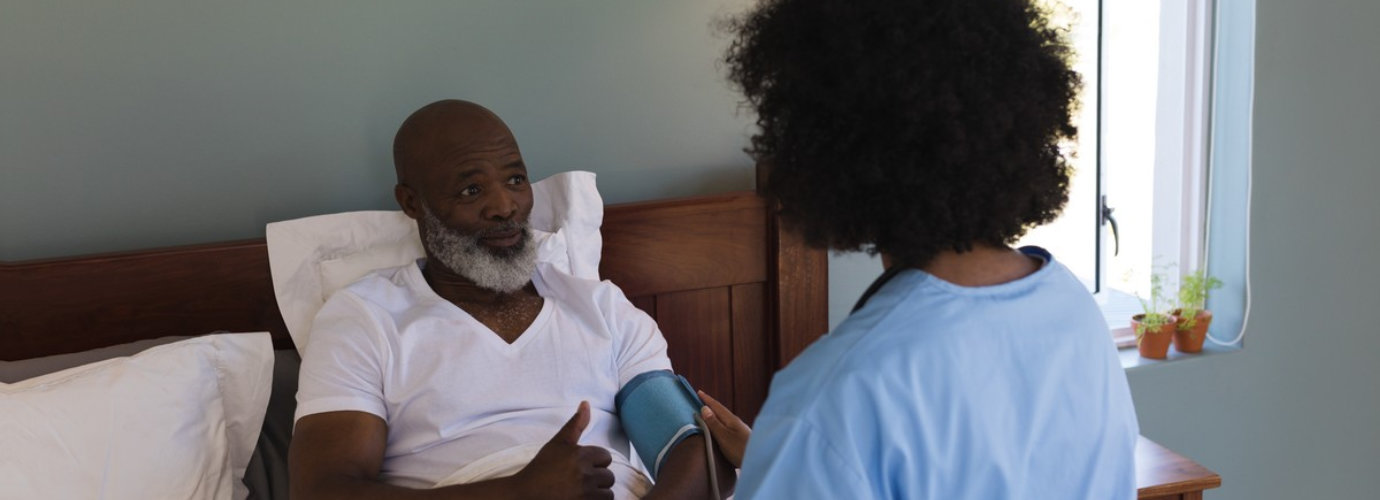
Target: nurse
<point>933,133</point>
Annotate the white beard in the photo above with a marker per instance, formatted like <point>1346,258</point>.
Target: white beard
<point>503,271</point>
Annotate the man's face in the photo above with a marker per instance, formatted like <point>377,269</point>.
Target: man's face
<point>475,201</point>
<point>477,184</point>
<point>504,270</point>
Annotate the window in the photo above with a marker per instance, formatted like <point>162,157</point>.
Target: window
<point>1138,198</point>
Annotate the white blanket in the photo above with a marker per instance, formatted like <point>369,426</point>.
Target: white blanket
<point>628,482</point>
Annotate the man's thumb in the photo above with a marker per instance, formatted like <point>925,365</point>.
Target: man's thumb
<point>570,433</point>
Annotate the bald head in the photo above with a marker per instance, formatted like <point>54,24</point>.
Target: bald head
<point>441,129</point>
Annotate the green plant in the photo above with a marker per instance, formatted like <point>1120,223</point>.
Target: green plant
<point>1155,310</point>
<point>1193,291</point>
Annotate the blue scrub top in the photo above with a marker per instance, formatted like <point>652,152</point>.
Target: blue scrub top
<point>934,390</point>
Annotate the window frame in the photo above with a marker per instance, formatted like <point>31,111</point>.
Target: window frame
<point>1182,150</point>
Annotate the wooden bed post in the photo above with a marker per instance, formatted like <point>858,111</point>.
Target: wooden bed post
<point>798,287</point>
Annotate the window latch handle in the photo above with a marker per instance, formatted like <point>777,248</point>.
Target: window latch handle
<point>1106,218</point>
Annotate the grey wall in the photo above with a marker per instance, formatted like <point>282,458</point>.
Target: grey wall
<point>154,122</point>
<point>1296,414</point>
<point>159,122</point>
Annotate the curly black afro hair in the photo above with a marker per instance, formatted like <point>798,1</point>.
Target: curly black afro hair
<point>908,127</point>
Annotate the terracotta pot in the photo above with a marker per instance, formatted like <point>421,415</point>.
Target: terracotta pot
<point>1154,344</point>
<point>1191,339</point>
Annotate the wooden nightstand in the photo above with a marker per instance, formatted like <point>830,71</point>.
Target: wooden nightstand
<point>1162,474</point>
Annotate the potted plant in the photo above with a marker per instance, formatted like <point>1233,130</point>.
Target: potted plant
<point>1155,326</point>
<point>1193,319</point>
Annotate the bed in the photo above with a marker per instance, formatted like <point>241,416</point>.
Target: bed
<point>735,296</point>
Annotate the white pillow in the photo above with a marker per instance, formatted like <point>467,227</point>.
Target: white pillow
<point>176,421</point>
<point>313,257</point>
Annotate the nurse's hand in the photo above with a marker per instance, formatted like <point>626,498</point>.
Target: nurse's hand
<point>730,433</point>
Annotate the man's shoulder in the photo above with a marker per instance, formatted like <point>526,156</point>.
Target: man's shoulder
<point>387,288</point>
<point>379,302</point>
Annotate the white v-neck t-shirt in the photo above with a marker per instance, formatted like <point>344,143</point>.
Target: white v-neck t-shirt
<point>452,391</point>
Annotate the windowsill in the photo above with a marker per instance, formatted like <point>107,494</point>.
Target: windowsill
<point>1131,359</point>
<point>1118,307</point>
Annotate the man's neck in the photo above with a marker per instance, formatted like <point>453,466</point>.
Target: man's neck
<point>463,292</point>
<point>508,315</point>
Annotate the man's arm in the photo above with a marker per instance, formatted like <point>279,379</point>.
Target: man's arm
<point>685,473</point>
<point>642,349</point>
<point>338,455</point>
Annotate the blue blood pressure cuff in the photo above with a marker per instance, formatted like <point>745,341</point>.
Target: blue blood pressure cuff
<point>658,411</point>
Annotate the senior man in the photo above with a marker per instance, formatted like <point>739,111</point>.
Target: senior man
<point>475,365</point>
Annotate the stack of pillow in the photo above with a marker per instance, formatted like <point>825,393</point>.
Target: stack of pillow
<point>177,420</point>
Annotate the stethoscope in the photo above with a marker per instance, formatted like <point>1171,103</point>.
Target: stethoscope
<point>877,284</point>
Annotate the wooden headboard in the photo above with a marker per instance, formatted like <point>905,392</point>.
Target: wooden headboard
<point>735,297</point>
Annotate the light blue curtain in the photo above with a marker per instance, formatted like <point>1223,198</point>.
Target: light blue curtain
<point>1230,164</point>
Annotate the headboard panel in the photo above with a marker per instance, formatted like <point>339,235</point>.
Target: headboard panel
<point>715,241</point>
<point>735,297</point>
<point>704,280</point>
<point>74,304</point>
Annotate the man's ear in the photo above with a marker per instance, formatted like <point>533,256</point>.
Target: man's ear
<point>409,201</point>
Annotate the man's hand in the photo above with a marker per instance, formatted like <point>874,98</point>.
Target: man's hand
<point>730,433</point>
<point>564,469</point>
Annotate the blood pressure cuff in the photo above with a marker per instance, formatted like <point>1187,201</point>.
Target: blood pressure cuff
<point>658,411</point>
